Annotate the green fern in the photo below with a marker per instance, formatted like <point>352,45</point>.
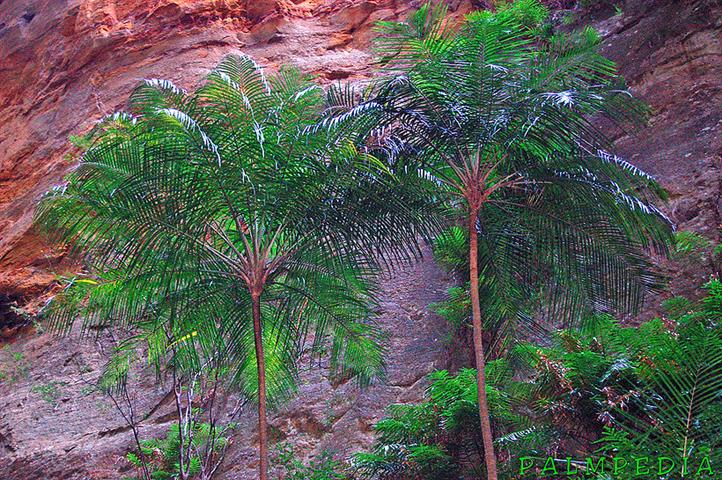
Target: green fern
<point>681,392</point>
<point>690,245</point>
<point>426,440</point>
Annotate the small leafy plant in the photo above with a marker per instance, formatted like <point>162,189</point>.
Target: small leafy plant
<point>16,369</point>
<point>50,392</point>
<point>690,245</point>
<point>162,454</point>
<point>323,467</point>
<point>431,439</point>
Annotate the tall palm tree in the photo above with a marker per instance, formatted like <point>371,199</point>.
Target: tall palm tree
<point>232,213</point>
<point>507,127</point>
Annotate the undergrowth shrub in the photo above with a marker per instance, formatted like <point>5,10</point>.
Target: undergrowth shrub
<point>440,438</point>
<point>322,467</point>
<point>604,389</point>
<point>690,246</point>
<point>679,399</point>
<point>162,454</point>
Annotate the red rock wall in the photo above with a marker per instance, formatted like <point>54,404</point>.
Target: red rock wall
<point>67,63</point>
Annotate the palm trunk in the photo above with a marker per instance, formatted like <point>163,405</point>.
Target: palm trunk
<point>260,364</point>
<point>489,456</point>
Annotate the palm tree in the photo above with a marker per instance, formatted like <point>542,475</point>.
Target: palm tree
<point>199,212</point>
<point>502,123</point>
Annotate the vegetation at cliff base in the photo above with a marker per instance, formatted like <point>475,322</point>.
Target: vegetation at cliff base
<point>602,391</point>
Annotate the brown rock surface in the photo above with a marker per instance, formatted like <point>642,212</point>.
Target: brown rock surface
<point>65,63</point>
<point>670,52</point>
<point>54,426</point>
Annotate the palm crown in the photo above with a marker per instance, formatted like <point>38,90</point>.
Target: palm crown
<point>503,123</point>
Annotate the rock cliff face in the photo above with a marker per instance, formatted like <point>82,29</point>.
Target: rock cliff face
<point>670,52</point>
<point>65,63</point>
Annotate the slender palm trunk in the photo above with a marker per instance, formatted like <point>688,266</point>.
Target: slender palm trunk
<point>489,456</point>
<point>261,366</point>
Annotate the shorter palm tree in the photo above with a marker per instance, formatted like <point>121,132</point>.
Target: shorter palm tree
<point>231,213</point>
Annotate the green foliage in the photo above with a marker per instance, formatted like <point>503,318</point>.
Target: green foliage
<point>429,439</point>
<point>451,249</point>
<point>631,391</point>
<point>563,222</point>
<point>690,246</point>
<point>188,202</point>
<point>187,208</point>
<point>528,13</point>
<point>50,392</point>
<point>456,308</point>
<point>17,368</point>
<point>162,454</point>
<point>115,374</point>
<point>675,307</point>
<point>323,467</point>
<point>585,375</point>
<point>679,392</point>
<point>498,119</point>
<point>81,143</point>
